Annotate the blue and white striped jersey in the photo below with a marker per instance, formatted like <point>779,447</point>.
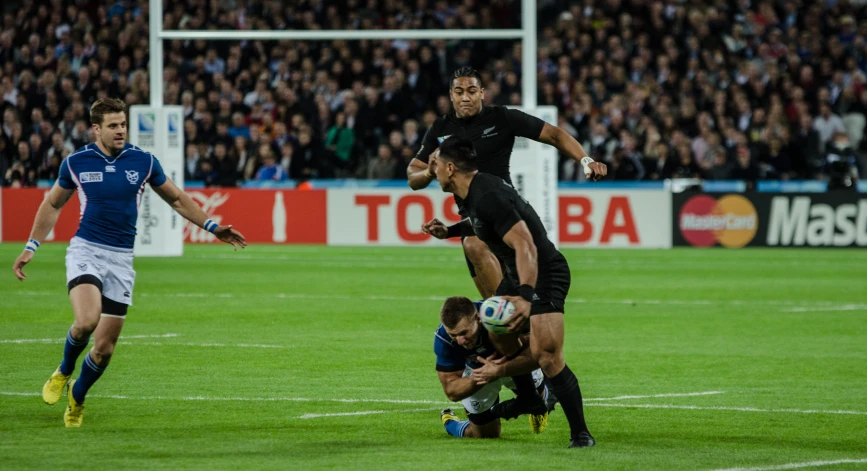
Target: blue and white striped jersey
<point>109,190</point>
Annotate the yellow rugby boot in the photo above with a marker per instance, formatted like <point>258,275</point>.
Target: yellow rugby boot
<point>74,411</point>
<point>53,389</point>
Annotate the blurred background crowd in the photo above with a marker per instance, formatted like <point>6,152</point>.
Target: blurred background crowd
<point>724,89</point>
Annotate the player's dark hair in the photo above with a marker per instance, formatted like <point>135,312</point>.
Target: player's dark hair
<point>105,106</point>
<point>455,309</point>
<point>461,152</point>
<point>466,72</point>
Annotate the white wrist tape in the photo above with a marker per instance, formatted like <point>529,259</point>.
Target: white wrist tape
<point>31,245</point>
<point>585,162</point>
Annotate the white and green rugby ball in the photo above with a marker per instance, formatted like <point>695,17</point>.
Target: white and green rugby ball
<point>495,313</point>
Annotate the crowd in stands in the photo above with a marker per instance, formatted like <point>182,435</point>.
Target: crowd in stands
<point>718,89</point>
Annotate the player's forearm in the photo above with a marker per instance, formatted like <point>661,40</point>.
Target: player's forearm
<point>461,229</point>
<point>189,210</point>
<point>46,218</point>
<point>461,388</point>
<point>526,260</point>
<point>418,179</point>
<point>566,144</point>
<point>522,364</point>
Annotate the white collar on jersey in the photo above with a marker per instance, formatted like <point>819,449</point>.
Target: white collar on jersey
<point>107,159</point>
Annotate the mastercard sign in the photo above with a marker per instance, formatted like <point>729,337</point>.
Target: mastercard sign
<point>730,221</point>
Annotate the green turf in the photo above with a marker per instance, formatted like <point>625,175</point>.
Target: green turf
<point>781,331</point>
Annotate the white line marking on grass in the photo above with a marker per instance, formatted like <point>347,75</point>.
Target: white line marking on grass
<point>841,307</point>
<point>824,305</point>
<point>161,336</point>
<point>806,464</point>
<point>736,409</point>
<point>363,412</point>
<point>244,399</point>
<point>618,398</point>
<point>206,345</point>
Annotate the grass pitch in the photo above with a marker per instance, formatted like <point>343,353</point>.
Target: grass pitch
<point>281,357</point>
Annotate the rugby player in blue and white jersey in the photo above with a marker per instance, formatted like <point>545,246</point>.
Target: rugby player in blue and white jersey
<point>110,176</point>
<point>465,368</point>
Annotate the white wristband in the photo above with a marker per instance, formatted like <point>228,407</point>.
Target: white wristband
<point>585,162</point>
<point>31,245</point>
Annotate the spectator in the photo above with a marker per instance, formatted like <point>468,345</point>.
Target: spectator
<point>224,165</point>
<point>191,161</point>
<point>826,124</point>
<point>238,127</point>
<point>270,169</point>
<point>383,166</point>
<point>721,169</point>
<point>841,163</point>
<point>309,160</point>
<point>340,140</point>
<point>745,168</point>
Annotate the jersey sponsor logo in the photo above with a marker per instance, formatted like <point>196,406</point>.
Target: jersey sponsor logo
<point>443,138</point>
<point>82,266</point>
<point>90,177</point>
<point>126,294</point>
<point>132,176</point>
<point>109,169</point>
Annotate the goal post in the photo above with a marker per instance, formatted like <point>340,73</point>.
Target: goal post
<point>534,166</point>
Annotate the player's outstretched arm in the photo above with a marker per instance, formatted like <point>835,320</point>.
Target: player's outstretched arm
<point>186,207</point>
<point>565,143</point>
<point>46,218</point>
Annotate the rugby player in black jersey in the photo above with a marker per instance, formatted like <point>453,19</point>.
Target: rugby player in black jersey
<point>492,130</point>
<point>536,275</point>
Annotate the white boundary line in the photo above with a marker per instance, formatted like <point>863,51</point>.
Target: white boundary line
<point>735,409</point>
<point>620,398</point>
<point>364,412</point>
<point>790,306</point>
<point>124,337</point>
<point>340,400</point>
<point>806,464</point>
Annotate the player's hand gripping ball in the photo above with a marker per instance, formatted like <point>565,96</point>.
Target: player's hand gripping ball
<point>495,313</point>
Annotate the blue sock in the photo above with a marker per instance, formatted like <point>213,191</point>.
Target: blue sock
<point>71,350</point>
<point>456,428</point>
<point>90,372</point>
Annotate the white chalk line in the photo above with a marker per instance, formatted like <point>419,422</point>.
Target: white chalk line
<point>824,305</point>
<point>842,307</point>
<point>734,409</point>
<point>806,464</point>
<point>340,400</point>
<point>364,412</point>
<point>650,396</point>
<point>123,337</point>
<point>133,340</point>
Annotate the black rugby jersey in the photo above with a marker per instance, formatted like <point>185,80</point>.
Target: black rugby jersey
<point>493,208</point>
<point>492,132</point>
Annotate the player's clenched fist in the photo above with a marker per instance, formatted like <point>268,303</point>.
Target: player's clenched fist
<point>436,228</point>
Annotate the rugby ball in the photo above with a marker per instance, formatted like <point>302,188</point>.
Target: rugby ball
<point>495,312</point>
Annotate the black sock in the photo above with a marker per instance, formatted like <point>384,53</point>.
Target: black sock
<point>565,386</point>
<point>525,386</point>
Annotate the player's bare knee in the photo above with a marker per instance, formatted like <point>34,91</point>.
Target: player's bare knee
<point>102,352</point>
<point>550,359</point>
<point>83,329</point>
<point>476,250</point>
